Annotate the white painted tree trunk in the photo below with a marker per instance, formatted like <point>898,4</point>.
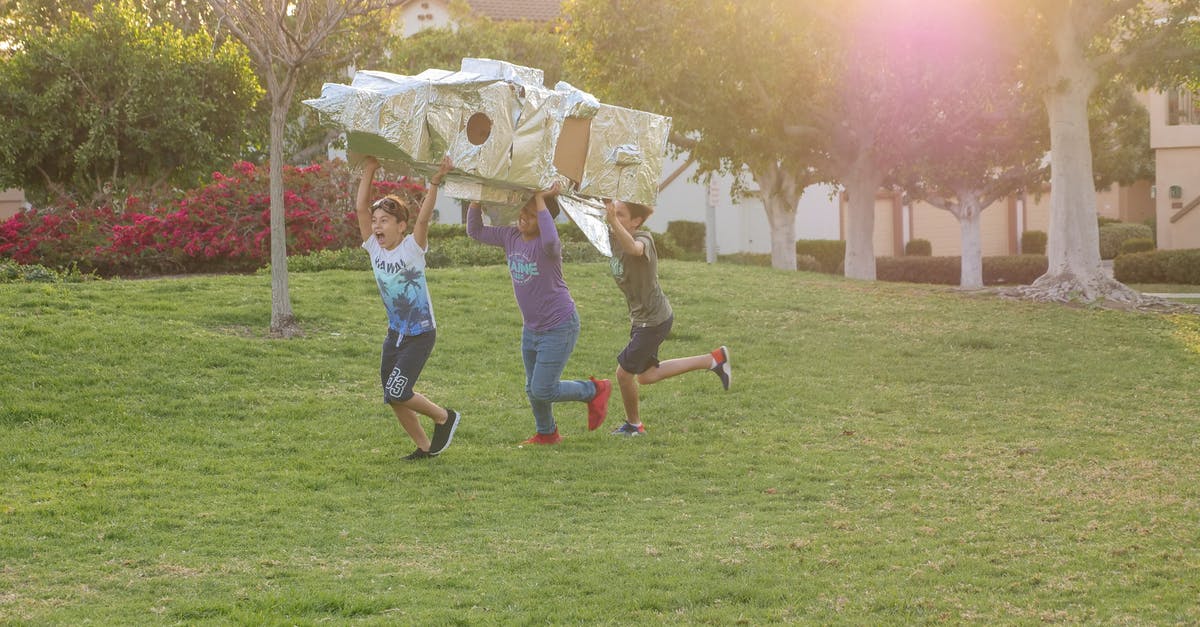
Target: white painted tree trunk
<point>780,193</point>
<point>1073,246</point>
<point>969,214</point>
<point>862,183</point>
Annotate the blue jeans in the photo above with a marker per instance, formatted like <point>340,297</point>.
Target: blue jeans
<point>545,354</point>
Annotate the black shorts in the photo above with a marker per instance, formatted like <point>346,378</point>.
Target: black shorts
<point>641,354</point>
<point>402,362</point>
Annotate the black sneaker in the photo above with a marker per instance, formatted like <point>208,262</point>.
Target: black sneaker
<point>417,454</point>
<point>723,370</point>
<point>443,433</point>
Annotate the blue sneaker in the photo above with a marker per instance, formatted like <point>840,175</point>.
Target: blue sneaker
<point>629,430</point>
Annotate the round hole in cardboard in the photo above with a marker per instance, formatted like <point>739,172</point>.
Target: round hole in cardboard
<point>479,128</point>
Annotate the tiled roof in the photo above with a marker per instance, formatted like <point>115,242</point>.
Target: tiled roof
<point>536,10</point>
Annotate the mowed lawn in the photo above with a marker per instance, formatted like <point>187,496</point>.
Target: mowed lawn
<point>888,454</point>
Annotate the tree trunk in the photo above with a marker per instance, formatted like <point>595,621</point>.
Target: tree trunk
<point>780,192</point>
<point>862,183</point>
<point>283,321</point>
<point>1073,246</point>
<point>969,214</point>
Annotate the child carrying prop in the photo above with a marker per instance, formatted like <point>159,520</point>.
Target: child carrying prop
<point>399,264</point>
<point>634,265</point>
<point>551,324</point>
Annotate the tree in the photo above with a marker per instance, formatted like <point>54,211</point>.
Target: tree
<point>1079,46</point>
<point>739,80</point>
<point>1119,130</point>
<point>532,44</point>
<point>283,37</point>
<point>988,136</point>
<point>22,16</point>
<point>108,102</point>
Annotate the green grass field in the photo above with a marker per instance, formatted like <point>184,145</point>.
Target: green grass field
<point>888,454</point>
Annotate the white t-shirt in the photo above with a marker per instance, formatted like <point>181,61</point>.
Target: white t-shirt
<point>400,273</point>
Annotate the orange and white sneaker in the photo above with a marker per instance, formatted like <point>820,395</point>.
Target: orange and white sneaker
<point>722,367</point>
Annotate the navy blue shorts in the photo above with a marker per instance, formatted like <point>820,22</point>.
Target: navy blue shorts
<point>402,362</point>
<point>641,354</point>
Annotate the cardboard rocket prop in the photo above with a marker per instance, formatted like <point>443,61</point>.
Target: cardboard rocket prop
<point>507,135</point>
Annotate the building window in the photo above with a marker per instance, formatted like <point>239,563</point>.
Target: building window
<point>1183,107</point>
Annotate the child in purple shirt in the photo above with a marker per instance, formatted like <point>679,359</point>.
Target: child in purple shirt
<point>551,324</point>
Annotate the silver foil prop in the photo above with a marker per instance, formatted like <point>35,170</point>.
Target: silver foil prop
<point>589,215</point>
<point>502,127</point>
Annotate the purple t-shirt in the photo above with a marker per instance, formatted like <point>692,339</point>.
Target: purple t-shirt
<point>535,267</point>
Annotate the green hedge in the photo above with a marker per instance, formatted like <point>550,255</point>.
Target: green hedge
<point>1159,266</point>
<point>689,235</point>
<point>1113,234</point>
<point>1033,243</point>
<point>918,248</point>
<point>1002,270</point>
<point>1137,245</point>
<point>13,272</point>
<point>829,253</point>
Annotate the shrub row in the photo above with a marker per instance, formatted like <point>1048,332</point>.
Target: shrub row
<point>688,235</point>
<point>13,272</point>
<point>918,247</point>
<point>1159,266</point>
<point>1000,270</point>
<point>223,226</point>
<point>1114,234</point>
<point>829,253</point>
<point>1033,242</point>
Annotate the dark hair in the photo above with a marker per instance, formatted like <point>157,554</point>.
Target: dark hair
<point>394,206</point>
<point>551,204</point>
<point>638,210</point>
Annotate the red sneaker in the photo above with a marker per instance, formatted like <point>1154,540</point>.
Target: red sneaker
<point>598,406</point>
<point>544,438</point>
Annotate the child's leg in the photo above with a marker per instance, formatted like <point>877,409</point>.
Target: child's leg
<point>629,395</point>
<point>543,410</point>
<point>412,425</point>
<point>544,367</point>
<point>672,367</point>
<point>421,405</point>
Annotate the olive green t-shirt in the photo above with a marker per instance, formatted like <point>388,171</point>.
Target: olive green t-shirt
<point>638,279</point>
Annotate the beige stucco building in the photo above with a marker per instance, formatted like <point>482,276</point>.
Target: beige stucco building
<point>1175,138</point>
<point>11,201</point>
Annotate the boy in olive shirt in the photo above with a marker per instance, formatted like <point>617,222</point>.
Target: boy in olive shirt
<point>634,265</point>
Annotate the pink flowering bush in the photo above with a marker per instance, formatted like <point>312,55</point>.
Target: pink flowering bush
<point>223,226</point>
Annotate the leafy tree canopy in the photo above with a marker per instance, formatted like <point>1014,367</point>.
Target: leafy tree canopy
<point>111,101</point>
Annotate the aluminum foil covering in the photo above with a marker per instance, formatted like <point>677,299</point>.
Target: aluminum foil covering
<point>501,127</point>
<point>576,103</point>
<point>489,196</point>
<point>589,215</point>
<point>505,71</point>
<point>625,154</point>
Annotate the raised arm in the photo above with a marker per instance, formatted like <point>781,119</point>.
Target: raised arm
<point>421,226</point>
<point>362,202</point>
<point>630,245</point>
<point>493,235</point>
<point>547,230</point>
